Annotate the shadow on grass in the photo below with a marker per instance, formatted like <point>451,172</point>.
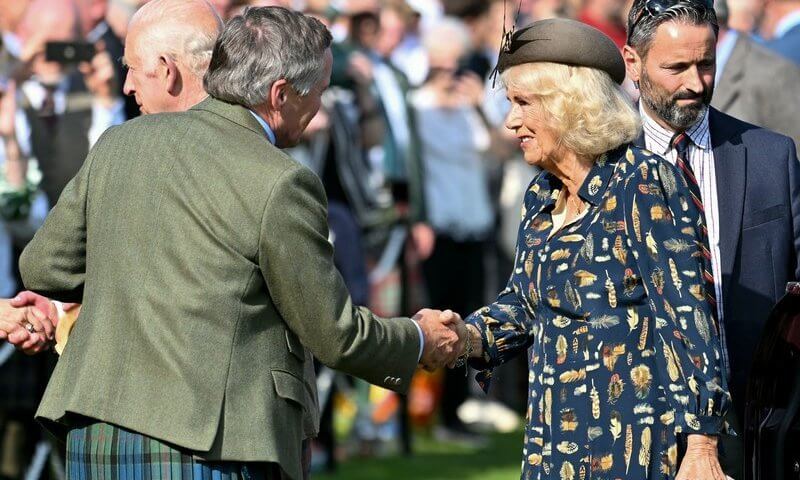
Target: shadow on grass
<point>432,460</point>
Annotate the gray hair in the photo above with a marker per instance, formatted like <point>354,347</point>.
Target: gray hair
<point>184,30</point>
<point>691,12</point>
<point>262,46</point>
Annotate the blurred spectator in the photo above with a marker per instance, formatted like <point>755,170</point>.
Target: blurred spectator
<point>747,76</point>
<point>118,15</point>
<point>454,139</point>
<point>606,16</point>
<point>96,30</point>
<point>745,15</point>
<point>376,35</point>
<point>782,25</point>
<point>64,110</point>
<point>475,15</point>
<point>541,9</point>
<point>409,55</point>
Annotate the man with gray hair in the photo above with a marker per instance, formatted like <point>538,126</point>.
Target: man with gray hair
<point>200,252</point>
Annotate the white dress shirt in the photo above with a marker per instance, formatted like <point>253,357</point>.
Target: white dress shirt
<point>701,158</point>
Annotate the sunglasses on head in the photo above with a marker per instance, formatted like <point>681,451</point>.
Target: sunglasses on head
<point>654,8</point>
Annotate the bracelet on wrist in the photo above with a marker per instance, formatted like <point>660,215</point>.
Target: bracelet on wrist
<point>468,348</point>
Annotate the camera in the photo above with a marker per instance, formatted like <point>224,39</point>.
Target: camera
<point>69,52</point>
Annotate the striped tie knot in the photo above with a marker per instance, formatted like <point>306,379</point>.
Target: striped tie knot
<point>680,142</point>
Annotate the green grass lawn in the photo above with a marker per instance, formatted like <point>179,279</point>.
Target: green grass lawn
<point>432,460</point>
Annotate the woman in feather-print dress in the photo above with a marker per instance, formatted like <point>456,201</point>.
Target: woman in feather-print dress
<point>608,299</point>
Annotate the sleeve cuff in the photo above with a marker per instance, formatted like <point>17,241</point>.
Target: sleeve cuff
<point>688,423</point>
<point>421,340</point>
<point>482,364</point>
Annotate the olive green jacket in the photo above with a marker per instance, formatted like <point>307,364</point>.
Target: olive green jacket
<point>200,253</point>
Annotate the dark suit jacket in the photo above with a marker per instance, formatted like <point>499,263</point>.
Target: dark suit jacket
<point>758,188</point>
<point>788,45</point>
<point>760,87</point>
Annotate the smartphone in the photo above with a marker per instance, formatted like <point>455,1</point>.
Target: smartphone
<point>69,52</point>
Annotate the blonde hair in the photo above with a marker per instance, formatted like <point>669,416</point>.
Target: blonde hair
<point>589,113</point>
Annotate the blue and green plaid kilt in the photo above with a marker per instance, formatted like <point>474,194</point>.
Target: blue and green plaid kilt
<point>102,451</point>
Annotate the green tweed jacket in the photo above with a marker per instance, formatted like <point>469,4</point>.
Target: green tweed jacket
<point>200,253</point>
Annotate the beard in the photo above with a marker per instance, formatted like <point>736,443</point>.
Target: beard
<point>660,102</point>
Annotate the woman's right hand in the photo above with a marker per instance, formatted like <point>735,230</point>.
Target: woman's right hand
<point>700,461</point>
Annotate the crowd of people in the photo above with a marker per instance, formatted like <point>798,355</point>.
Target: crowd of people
<point>424,178</point>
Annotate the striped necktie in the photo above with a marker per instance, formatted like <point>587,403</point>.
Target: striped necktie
<point>680,142</point>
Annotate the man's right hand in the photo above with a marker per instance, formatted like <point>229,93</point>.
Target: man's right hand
<point>444,335</point>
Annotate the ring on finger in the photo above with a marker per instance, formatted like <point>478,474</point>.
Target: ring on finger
<point>29,327</point>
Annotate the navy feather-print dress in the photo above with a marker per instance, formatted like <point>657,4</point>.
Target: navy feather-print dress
<point>623,348</point>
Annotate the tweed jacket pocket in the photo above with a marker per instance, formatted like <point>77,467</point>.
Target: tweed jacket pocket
<point>289,387</point>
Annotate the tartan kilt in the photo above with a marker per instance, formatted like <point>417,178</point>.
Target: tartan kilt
<point>102,451</point>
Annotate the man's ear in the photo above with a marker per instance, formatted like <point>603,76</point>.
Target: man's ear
<point>633,63</point>
<point>172,75</point>
<point>279,94</point>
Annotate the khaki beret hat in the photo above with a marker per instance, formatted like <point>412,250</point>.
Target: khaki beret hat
<point>559,40</point>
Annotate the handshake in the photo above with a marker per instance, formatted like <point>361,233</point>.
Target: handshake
<point>28,321</point>
<point>447,339</point>
<point>34,323</point>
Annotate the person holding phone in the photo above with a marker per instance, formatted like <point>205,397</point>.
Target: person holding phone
<point>67,92</point>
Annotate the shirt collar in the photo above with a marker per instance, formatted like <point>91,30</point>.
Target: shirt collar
<point>265,126</point>
<point>594,186</point>
<point>659,138</point>
<point>789,22</point>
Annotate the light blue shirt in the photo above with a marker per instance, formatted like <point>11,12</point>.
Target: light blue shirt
<point>265,126</point>
<point>271,137</point>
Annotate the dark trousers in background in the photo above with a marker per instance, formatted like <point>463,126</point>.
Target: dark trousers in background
<point>455,279</point>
